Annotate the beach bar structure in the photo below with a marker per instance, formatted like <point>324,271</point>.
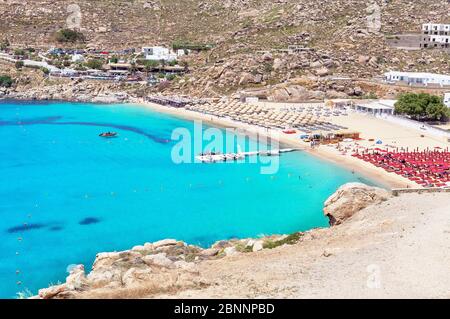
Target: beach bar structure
<point>173,101</point>
<point>340,136</point>
<point>381,107</point>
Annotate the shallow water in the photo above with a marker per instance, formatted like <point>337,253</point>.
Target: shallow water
<point>66,194</point>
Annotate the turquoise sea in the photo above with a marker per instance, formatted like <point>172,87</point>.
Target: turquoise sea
<point>66,193</point>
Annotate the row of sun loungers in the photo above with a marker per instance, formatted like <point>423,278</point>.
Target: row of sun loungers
<point>265,117</point>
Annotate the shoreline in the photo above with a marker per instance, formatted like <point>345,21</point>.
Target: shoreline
<point>378,175</point>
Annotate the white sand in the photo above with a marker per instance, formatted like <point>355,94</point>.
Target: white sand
<point>370,128</point>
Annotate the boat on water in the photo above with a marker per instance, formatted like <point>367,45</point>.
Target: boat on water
<point>108,134</point>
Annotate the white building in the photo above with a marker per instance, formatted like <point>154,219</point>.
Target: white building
<point>417,78</point>
<point>379,107</point>
<point>435,35</point>
<point>77,58</point>
<point>447,99</point>
<point>159,53</point>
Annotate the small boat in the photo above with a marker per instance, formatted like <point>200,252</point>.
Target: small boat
<point>108,134</point>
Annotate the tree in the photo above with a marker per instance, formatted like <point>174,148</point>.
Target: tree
<point>170,77</point>
<point>422,106</point>
<point>4,44</point>
<point>185,64</point>
<point>133,67</point>
<point>69,35</point>
<point>150,65</point>
<point>19,64</point>
<point>94,64</point>
<point>438,111</point>
<point>5,81</point>
<point>20,52</point>
<point>45,70</point>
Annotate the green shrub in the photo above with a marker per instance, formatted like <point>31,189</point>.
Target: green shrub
<point>20,52</point>
<point>241,247</point>
<point>94,64</point>
<point>5,81</point>
<point>179,44</point>
<point>4,44</point>
<point>19,64</point>
<point>170,77</point>
<point>422,106</point>
<point>371,96</point>
<point>45,70</point>
<point>289,240</point>
<point>80,67</point>
<point>69,35</point>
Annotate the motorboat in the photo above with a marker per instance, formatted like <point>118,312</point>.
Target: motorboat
<point>108,134</point>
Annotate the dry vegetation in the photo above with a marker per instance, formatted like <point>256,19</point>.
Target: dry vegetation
<point>335,29</point>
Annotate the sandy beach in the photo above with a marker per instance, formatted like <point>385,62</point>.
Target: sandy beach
<point>370,128</point>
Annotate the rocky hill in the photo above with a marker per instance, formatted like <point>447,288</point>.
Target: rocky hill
<point>249,36</point>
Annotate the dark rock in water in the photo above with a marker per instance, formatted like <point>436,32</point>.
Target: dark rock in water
<point>89,221</point>
<point>25,227</point>
<point>55,228</point>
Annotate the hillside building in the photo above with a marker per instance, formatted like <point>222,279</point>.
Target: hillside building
<point>417,78</point>
<point>159,54</point>
<point>435,35</point>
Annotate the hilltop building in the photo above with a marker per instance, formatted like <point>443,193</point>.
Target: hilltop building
<point>160,53</point>
<point>417,78</point>
<point>435,35</point>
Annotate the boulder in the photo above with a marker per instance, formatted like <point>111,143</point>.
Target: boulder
<point>134,276</point>
<point>267,56</point>
<point>230,251</point>
<point>52,292</point>
<point>323,71</point>
<point>77,279</point>
<point>363,59</point>
<point>246,78</point>
<point>164,242</point>
<point>181,264</point>
<point>159,260</point>
<point>211,252</point>
<point>257,246</point>
<point>278,64</point>
<point>351,198</point>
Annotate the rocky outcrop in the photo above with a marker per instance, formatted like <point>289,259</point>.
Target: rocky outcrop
<point>350,199</point>
<point>80,91</point>
<point>167,265</point>
<point>154,267</point>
